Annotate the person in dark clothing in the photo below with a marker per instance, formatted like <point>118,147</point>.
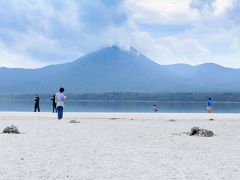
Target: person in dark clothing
<point>37,102</point>
<point>54,104</point>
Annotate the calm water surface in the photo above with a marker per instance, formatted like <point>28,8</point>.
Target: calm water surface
<point>119,106</point>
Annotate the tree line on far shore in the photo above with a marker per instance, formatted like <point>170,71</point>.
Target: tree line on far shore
<point>132,96</point>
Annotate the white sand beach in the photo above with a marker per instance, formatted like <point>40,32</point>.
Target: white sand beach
<point>119,146</point>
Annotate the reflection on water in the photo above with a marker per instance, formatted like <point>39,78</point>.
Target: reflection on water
<point>120,106</point>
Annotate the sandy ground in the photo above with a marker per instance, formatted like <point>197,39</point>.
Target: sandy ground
<point>119,146</point>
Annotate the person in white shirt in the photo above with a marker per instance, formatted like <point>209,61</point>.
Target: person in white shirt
<point>60,102</point>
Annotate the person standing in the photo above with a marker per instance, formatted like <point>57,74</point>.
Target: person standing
<point>209,105</point>
<point>154,108</point>
<point>60,102</point>
<point>54,104</point>
<point>37,103</point>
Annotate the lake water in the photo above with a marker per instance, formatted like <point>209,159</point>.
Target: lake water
<point>120,106</point>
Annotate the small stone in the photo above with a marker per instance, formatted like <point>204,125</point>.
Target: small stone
<point>211,119</point>
<point>196,131</point>
<point>74,121</point>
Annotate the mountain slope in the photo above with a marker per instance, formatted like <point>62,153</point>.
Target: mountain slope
<point>115,70</point>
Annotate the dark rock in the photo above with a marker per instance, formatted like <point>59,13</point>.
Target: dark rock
<point>196,131</point>
<point>11,129</point>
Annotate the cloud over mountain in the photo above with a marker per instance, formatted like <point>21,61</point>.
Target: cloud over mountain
<point>41,32</point>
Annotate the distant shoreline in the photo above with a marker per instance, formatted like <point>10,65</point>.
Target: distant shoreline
<point>126,115</point>
<point>137,115</point>
<point>138,97</point>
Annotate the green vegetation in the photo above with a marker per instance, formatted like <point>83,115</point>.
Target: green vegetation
<point>130,96</point>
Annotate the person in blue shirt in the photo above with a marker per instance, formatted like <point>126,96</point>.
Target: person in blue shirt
<point>209,105</point>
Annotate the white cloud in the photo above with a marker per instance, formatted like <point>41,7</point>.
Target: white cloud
<point>187,50</point>
<point>155,11</point>
<point>221,6</point>
<point>12,59</point>
<point>164,50</point>
<point>211,33</point>
<point>44,32</point>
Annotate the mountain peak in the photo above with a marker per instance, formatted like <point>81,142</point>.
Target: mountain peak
<point>111,50</point>
<point>115,48</point>
<point>212,66</point>
<point>135,51</point>
<point>208,64</point>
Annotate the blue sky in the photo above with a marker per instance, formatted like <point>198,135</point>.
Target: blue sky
<point>35,33</point>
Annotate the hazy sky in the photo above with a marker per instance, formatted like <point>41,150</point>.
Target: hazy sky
<point>34,33</point>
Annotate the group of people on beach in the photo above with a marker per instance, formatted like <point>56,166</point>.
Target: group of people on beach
<point>209,106</point>
<point>57,103</point>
